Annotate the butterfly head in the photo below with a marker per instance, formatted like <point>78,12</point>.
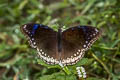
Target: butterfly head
<point>60,29</point>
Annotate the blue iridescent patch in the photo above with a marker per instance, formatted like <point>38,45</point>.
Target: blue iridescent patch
<point>34,28</point>
<point>46,27</point>
<point>72,28</point>
<point>79,27</point>
<point>84,28</point>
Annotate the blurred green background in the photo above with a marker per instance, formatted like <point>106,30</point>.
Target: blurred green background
<point>18,61</point>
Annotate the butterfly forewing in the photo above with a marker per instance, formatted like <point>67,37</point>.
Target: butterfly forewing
<point>75,41</point>
<point>44,39</point>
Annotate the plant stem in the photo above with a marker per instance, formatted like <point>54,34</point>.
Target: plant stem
<point>66,70</point>
<point>105,67</point>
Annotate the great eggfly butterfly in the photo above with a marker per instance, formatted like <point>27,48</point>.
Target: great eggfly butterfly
<point>66,47</point>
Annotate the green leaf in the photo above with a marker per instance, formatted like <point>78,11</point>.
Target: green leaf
<point>92,78</point>
<point>83,61</point>
<point>58,76</point>
<point>41,62</point>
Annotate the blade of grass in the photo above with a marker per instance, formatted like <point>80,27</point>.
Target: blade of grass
<point>104,66</point>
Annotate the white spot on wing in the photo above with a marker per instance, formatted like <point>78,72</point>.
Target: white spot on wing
<point>86,41</point>
<point>96,30</point>
<point>84,46</point>
<point>25,26</point>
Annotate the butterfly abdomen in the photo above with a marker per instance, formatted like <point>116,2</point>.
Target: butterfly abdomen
<point>59,43</point>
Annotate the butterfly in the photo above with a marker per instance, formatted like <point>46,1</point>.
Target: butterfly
<point>66,47</point>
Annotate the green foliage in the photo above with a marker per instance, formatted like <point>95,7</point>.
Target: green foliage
<point>19,61</point>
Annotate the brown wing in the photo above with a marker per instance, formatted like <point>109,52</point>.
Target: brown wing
<point>44,39</point>
<point>75,41</point>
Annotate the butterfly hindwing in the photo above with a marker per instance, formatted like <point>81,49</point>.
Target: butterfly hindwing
<point>76,40</point>
<point>42,37</point>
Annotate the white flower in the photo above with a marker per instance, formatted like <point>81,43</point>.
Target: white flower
<point>81,72</point>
